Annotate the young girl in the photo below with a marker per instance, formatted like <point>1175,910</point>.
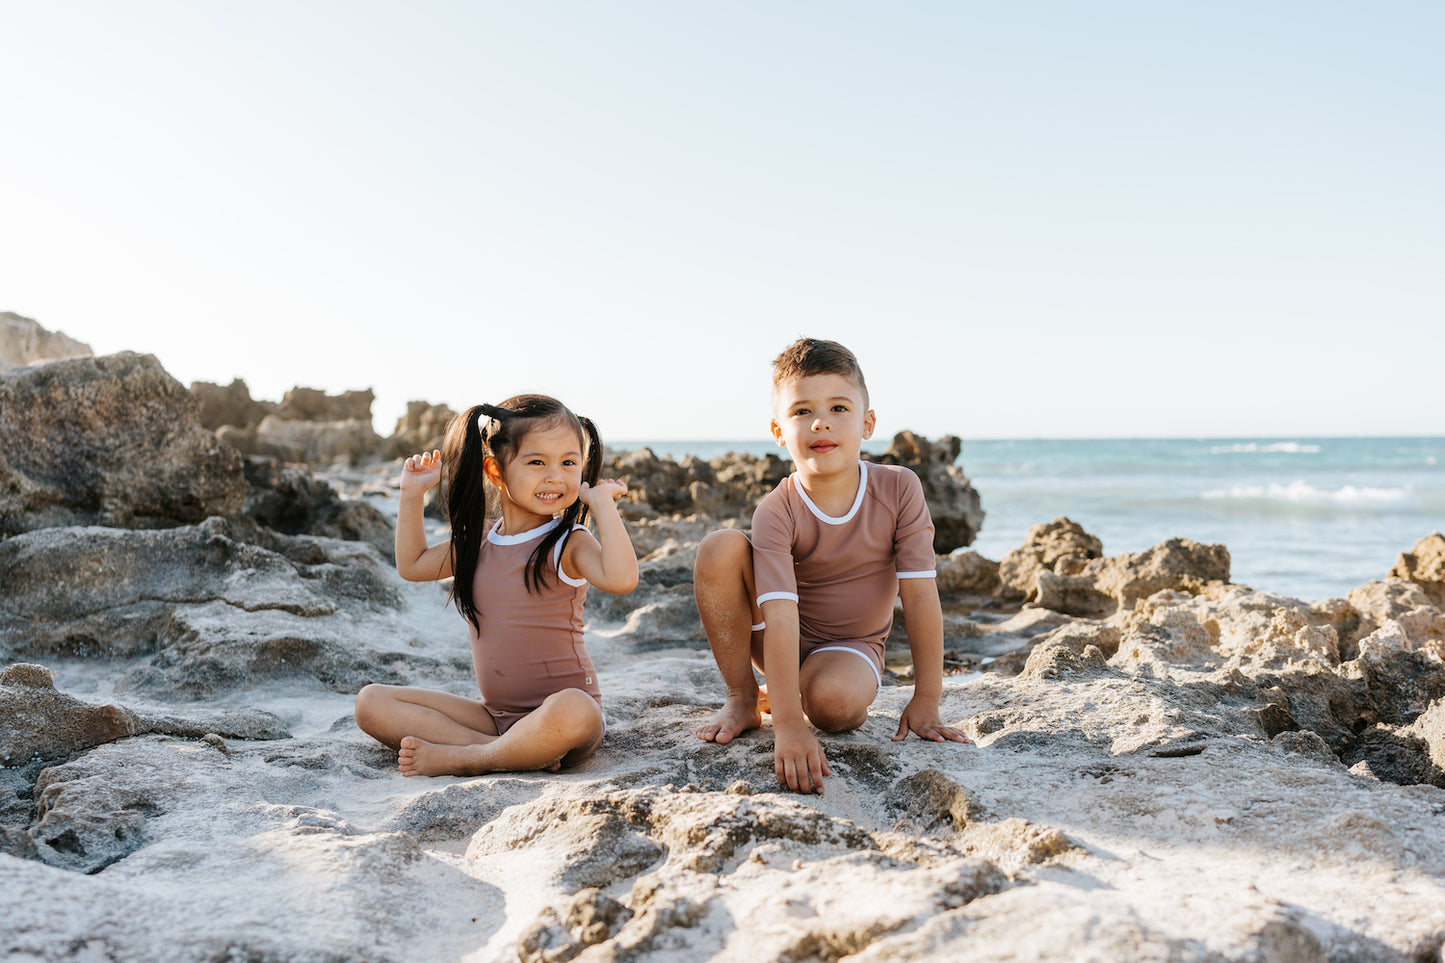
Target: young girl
<point>519,582</point>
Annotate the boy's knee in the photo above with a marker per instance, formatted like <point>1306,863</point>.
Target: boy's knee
<point>835,708</point>
<point>722,552</point>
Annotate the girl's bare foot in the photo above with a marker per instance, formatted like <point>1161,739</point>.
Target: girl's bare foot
<point>417,757</point>
<point>738,715</point>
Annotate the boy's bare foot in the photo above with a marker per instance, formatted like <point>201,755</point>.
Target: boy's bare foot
<point>738,715</point>
<point>417,757</point>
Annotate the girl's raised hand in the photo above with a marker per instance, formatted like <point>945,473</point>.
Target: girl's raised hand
<point>604,492</point>
<point>421,472</point>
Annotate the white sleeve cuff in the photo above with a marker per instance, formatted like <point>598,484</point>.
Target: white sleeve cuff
<point>773,596</point>
<point>928,574</point>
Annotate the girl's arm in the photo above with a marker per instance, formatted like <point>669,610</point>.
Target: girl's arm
<point>416,562</point>
<point>608,560</point>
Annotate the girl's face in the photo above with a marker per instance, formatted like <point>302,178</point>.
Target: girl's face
<point>543,477</point>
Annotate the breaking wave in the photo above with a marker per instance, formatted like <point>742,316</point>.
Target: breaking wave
<point>1266,448</point>
<point>1303,495</point>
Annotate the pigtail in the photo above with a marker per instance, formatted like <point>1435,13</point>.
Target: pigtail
<point>592,470</point>
<point>464,451</point>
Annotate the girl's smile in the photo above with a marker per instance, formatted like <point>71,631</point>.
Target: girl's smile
<point>543,478</point>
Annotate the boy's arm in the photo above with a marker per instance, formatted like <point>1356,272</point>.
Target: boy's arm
<point>798,758</point>
<point>923,618</point>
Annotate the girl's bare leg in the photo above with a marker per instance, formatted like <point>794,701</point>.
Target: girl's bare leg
<point>388,713</point>
<point>723,585</point>
<point>565,729</point>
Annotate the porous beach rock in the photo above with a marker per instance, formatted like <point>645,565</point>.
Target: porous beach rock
<point>218,406</point>
<point>307,426</point>
<point>1061,544</point>
<point>1425,566</point>
<point>966,573</point>
<point>310,442</point>
<point>24,342</point>
<point>109,441</point>
<point>310,404</point>
<point>42,723</point>
<point>1390,600</point>
<point>422,428</point>
<point>953,503</point>
<point>202,608</point>
<point>292,500</point>
<point>36,721</point>
<point>1061,567</point>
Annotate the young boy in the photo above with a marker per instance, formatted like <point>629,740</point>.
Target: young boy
<point>810,600</point>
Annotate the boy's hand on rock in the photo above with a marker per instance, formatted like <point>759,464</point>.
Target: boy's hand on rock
<point>924,723</point>
<point>798,759</point>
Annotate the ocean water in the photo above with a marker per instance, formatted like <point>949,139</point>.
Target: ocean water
<point>1305,517</point>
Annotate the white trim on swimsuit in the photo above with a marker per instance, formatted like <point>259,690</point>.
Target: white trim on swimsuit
<point>496,538</point>
<point>877,676</point>
<point>857,502</point>
<point>557,558</point>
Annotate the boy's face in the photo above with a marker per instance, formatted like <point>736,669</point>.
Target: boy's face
<point>822,421</point>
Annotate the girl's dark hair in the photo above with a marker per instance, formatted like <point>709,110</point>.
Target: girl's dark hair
<point>498,431</point>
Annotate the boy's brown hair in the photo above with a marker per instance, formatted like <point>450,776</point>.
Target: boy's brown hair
<point>814,356</point>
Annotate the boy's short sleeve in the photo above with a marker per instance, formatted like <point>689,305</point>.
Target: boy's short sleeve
<point>913,538</point>
<point>773,573</point>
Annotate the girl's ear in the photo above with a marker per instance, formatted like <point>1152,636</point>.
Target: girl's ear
<point>493,471</point>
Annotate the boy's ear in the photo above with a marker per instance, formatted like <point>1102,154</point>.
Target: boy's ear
<point>493,471</point>
<point>870,420</point>
<point>777,432</point>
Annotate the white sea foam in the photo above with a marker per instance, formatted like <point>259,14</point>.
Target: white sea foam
<point>1305,495</point>
<point>1268,448</point>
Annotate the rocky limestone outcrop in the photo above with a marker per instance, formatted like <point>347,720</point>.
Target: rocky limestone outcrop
<point>1425,566</point>
<point>108,441</point>
<point>291,500</point>
<point>952,501</point>
<point>422,428</point>
<point>231,405</point>
<point>1061,568</point>
<point>24,342</point>
<point>195,610</point>
<point>308,426</point>
<point>310,404</point>
<point>1061,544</point>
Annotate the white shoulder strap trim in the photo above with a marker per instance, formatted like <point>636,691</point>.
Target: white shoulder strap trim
<point>557,559</point>
<point>527,536</point>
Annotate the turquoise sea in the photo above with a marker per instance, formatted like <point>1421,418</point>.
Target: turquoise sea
<point>1304,517</point>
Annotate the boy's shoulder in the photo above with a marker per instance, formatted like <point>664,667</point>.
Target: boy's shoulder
<point>892,482</point>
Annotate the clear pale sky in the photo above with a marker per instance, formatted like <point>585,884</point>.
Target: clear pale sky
<point>1027,219</point>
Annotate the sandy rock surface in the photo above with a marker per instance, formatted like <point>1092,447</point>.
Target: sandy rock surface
<point>1185,770</point>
